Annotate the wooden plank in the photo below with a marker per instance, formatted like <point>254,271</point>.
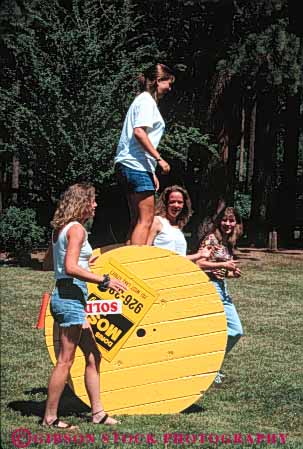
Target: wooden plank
<point>153,372</point>
<point>155,268</point>
<point>129,254</point>
<point>177,280</point>
<point>155,392</point>
<point>184,308</point>
<point>160,407</point>
<point>157,352</point>
<point>188,291</point>
<point>168,309</point>
<point>172,330</point>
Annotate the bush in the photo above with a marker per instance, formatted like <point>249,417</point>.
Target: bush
<point>243,204</point>
<point>19,231</point>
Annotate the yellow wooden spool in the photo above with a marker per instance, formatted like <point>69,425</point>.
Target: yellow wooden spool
<point>173,355</point>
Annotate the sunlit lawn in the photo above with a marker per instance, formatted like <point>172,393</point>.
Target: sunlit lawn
<point>262,392</point>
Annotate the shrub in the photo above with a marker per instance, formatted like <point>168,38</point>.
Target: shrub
<point>243,204</point>
<point>19,231</point>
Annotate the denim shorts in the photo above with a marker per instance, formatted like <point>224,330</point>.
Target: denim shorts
<point>68,302</point>
<point>134,180</point>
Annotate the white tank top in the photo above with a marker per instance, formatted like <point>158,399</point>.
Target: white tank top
<point>170,238</point>
<point>59,252</point>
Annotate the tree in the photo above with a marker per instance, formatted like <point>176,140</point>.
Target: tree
<point>266,61</point>
<point>289,186</point>
<point>68,81</point>
<point>69,77</point>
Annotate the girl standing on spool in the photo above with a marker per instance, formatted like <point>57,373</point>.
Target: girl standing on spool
<point>137,155</point>
<point>72,254</point>
<point>223,235</point>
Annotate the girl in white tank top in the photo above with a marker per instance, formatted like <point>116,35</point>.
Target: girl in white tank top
<point>172,214</point>
<point>59,252</point>
<point>170,237</point>
<point>72,253</point>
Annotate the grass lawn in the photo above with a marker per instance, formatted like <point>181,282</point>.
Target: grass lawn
<point>262,393</point>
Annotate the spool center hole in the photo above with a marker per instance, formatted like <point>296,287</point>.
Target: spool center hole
<point>141,333</point>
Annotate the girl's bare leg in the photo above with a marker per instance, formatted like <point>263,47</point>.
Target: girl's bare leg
<point>144,203</point>
<point>69,338</point>
<point>133,212</point>
<point>92,374</point>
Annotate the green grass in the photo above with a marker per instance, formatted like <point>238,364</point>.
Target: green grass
<point>262,392</point>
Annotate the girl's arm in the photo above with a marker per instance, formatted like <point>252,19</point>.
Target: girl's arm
<point>154,230</point>
<point>202,253</point>
<point>157,183</point>
<point>142,137</point>
<point>75,238</point>
<point>208,265</point>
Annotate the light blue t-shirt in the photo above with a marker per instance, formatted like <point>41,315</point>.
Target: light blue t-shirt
<point>142,112</point>
<point>59,253</point>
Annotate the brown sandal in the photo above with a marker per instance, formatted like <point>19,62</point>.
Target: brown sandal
<point>56,423</point>
<point>104,419</point>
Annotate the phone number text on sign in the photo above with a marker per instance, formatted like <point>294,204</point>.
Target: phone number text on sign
<point>115,315</point>
<point>128,300</point>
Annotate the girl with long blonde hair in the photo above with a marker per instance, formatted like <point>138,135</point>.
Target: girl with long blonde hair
<point>72,256</point>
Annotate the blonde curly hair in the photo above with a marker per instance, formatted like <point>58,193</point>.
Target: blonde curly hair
<point>73,204</point>
<point>185,214</point>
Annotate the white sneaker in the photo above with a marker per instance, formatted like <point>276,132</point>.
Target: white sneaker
<point>219,378</point>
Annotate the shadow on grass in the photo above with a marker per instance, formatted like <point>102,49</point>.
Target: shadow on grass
<point>69,404</point>
<point>194,408</point>
<point>32,264</point>
<point>252,259</point>
<point>287,251</point>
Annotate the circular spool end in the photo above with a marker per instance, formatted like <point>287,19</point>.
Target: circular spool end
<point>174,354</point>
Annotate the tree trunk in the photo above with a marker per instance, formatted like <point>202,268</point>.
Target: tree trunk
<point>242,147</point>
<point>15,179</point>
<point>231,173</point>
<point>289,185</point>
<point>251,148</point>
<point>2,189</point>
<point>264,163</point>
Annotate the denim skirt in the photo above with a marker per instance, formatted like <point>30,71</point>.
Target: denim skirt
<point>134,180</point>
<point>68,302</point>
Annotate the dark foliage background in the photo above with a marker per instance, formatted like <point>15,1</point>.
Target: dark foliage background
<point>234,118</point>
